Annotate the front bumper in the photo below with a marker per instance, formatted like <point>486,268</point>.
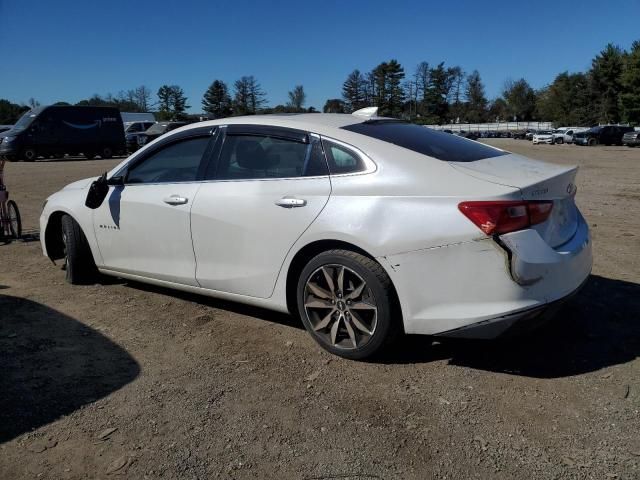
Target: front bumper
<point>634,142</point>
<point>548,141</point>
<point>479,282</point>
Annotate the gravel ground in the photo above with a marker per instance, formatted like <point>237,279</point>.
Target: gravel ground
<point>123,379</point>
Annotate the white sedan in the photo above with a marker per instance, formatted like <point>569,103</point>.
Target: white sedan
<point>363,226</point>
<point>544,136</point>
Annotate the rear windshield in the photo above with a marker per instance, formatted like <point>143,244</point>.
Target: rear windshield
<point>440,145</point>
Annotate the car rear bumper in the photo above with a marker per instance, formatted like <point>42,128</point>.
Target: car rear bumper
<point>515,324</point>
<point>481,282</point>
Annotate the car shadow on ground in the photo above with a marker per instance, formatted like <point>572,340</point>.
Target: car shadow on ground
<point>597,328</point>
<point>239,308</point>
<point>52,365</point>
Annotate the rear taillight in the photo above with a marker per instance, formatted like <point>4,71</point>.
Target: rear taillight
<point>506,216</point>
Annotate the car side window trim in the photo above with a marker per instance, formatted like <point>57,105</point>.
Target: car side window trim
<point>283,133</point>
<point>210,172</point>
<point>171,140</point>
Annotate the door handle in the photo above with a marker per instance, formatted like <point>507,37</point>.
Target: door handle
<point>175,200</point>
<point>291,202</point>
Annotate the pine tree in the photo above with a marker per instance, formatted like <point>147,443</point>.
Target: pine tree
<point>630,80</point>
<point>606,83</point>
<point>249,96</point>
<point>354,92</point>
<point>216,100</point>
<point>164,102</point>
<point>476,110</point>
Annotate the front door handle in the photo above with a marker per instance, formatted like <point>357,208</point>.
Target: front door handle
<point>291,202</point>
<point>175,200</point>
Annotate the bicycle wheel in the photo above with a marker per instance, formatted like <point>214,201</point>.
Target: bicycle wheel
<point>15,222</point>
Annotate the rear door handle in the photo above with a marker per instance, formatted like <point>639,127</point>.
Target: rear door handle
<point>291,202</point>
<point>175,200</point>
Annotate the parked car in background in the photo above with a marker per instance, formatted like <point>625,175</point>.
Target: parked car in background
<point>558,134</point>
<point>605,135</point>
<point>519,135</point>
<point>631,139</point>
<point>283,212</point>
<point>529,135</point>
<point>571,131</point>
<point>132,131</point>
<point>137,127</point>
<point>543,136</point>
<point>156,130</point>
<point>57,130</point>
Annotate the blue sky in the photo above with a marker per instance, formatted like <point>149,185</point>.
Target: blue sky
<point>66,50</point>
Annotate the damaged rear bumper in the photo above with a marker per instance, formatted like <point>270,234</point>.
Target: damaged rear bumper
<point>480,289</point>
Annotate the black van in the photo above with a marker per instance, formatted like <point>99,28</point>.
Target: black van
<point>57,130</point>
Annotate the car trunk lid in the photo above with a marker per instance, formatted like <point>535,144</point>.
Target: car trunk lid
<point>536,180</point>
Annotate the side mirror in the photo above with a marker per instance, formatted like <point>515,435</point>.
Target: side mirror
<point>97,192</point>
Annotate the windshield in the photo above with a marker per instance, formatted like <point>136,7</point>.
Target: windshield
<point>157,128</point>
<point>25,120</point>
<point>545,132</point>
<point>443,146</point>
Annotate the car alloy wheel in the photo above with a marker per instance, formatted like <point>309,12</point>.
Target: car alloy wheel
<point>340,307</point>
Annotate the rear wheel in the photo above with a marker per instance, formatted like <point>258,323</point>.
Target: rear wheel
<point>78,259</point>
<point>15,222</point>
<point>106,153</point>
<point>29,154</point>
<point>559,141</point>
<point>592,142</point>
<point>346,303</point>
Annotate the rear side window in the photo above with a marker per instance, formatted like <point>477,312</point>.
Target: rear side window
<point>342,159</point>
<point>250,157</point>
<point>426,141</point>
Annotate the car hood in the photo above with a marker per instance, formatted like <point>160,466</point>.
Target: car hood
<point>80,184</point>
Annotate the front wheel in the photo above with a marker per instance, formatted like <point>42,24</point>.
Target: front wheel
<point>78,259</point>
<point>346,303</point>
<point>559,141</point>
<point>29,154</point>
<point>15,222</point>
<point>592,142</point>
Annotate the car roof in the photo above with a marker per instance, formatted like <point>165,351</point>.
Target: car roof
<point>313,122</point>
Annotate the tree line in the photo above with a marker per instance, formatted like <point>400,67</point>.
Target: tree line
<point>608,92</point>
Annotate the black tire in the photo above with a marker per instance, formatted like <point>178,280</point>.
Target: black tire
<point>106,153</point>
<point>29,154</point>
<point>559,141</point>
<point>388,323</point>
<point>80,268</point>
<point>592,142</point>
<point>15,222</point>
<point>89,155</point>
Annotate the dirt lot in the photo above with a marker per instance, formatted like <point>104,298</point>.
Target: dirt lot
<point>122,379</point>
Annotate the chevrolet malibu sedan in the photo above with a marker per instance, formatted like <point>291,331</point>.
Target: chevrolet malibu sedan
<point>545,136</point>
<point>365,227</point>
